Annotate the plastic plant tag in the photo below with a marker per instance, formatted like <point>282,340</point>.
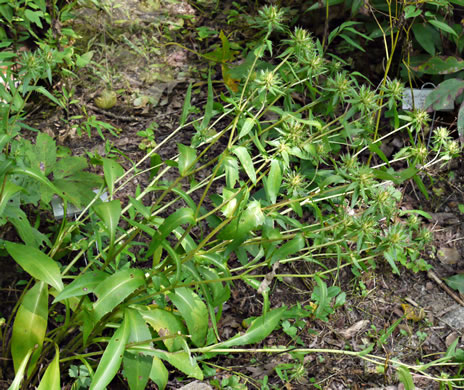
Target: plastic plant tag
<point>419,99</point>
<point>72,210</point>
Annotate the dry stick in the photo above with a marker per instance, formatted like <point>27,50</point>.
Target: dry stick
<point>440,282</point>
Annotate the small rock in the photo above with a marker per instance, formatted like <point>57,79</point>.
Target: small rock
<point>451,338</point>
<point>196,385</point>
<point>429,286</point>
<point>455,318</point>
<point>448,255</point>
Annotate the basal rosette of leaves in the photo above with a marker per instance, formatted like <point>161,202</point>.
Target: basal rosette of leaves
<point>297,186</point>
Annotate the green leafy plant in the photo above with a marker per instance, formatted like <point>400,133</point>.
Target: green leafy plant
<point>143,283</point>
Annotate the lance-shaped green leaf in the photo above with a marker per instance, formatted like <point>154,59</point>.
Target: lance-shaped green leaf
<point>113,290</point>
<point>187,156</point>
<point>442,26</point>
<point>288,249</point>
<point>30,326</point>
<point>51,378</point>
<point>165,324</point>
<point>231,169</point>
<point>159,374</point>
<point>112,358</point>
<point>445,94</point>
<point>39,176</point>
<point>323,300</point>
<point>259,329</point>
<point>247,127</point>
<point>36,264</point>
<point>16,384</point>
<point>182,361</point>
<point>137,367</point>
<point>440,65</point>
<point>193,311</point>
<point>84,284</point>
<point>273,181</point>
<point>246,162</point>
<point>405,378</point>
<point>180,217</point>
<point>9,189</point>
<point>112,171</point>
<point>110,212</point>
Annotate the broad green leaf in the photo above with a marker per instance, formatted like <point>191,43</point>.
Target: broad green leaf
<point>259,329</point>
<point>34,17</point>
<point>43,154</point>
<point>411,11</point>
<point>419,212</point>
<point>420,184</point>
<point>206,275</point>
<point>47,94</point>
<point>425,35</point>
<point>247,127</point>
<point>456,282</point>
<point>84,284</point>
<point>114,289</point>
<point>74,183</point>
<point>16,384</point>
<point>230,208</point>
<point>84,59</point>
<point>30,326</point>
<point>138,328</point>
<point>193,311</point>
<point>51,378</point>
<point>252,217</point>
<point>112,171</point>
<point>231,170</point>
<point>9,190</point>
<point>288,249</point>
<point>137,367</point>
<point>374,147</point>
<point>323,301</point>
<point>165,324</point>
<point>442,26</point>
<point>112,357</point>
<point>36,264</point>
<point>246,162</point>
<point>405,378</point>
<point>439,65</point>
<point>390,256</point>
<point>220,292</point>
<point>445,93</point>
<point>159,374</point>
<point>274,181</point>
<point>38,175</point>
<point>180,217</point>
<point>30,235</point>
<point>183,362</point>
<point>110,213</point>
<point>352,42</point>
<point>187,157</point>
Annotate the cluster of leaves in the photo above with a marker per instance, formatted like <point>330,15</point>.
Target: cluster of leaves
<point>298,189</point>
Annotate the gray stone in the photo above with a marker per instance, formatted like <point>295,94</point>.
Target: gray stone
<point>455,318</point>
<point>197,385</point>
<point>448,255</point>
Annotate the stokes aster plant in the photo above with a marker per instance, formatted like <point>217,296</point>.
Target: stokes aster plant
<point>140,285</point>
